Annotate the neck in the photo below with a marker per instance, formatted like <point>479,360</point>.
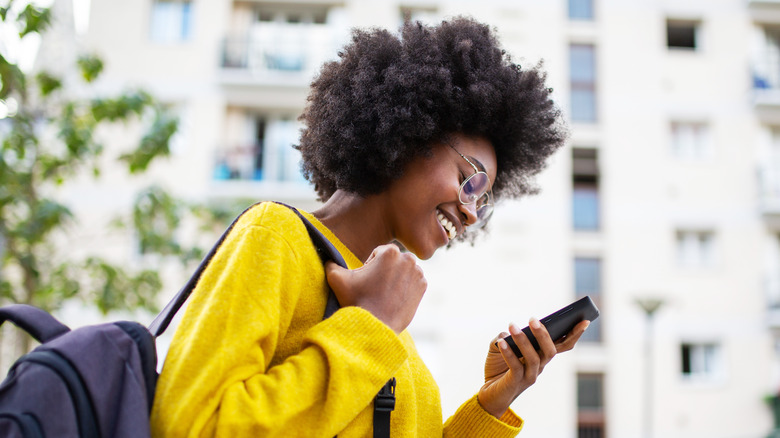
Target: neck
<point>359,222</point>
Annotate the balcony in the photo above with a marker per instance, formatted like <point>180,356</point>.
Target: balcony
<point>255,171</point>
<point>769,189</point>
<point>764,11</point>
<point>279,54</point>
<point>772,293</point>
<point>766,79</point>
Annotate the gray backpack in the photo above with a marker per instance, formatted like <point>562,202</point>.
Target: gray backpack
<point>95,381</point>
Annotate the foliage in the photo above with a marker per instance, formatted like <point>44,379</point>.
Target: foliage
<point>50,138</point>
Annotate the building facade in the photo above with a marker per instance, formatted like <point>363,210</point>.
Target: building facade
<point>664,206</point>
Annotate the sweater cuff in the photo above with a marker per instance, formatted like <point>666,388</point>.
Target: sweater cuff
<point>355,336</point>
<point>471,419</point>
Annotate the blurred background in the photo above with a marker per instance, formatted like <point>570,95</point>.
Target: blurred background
<point>134,131</point>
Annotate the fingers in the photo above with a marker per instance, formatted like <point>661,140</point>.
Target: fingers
<point>512,361</point>
<point>571,339</point>
<point>547,348</point>
<point>530,359</point>
<point>494,347</point>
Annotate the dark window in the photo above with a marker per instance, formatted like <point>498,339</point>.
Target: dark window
<point>585,190</point>
<point>590,392</point>
<point>681,34</point>
<point>590,406</point>
<point>701,361</point>
<point>259,146</point>
<point>581,9</point>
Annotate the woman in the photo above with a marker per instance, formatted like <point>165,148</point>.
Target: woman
<point>407,141</point>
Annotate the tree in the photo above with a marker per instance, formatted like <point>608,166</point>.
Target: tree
<point>48,137</point>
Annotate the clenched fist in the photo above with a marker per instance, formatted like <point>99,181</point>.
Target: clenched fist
<point>390,285</point>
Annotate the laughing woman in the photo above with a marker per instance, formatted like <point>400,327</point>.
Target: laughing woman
<point>409,141</point>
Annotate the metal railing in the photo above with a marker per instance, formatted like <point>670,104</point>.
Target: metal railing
<point>292,49</point>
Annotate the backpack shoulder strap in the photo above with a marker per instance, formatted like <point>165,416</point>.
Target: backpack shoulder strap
<point>164,318</point>
<point>40,324</point>
<point>325,249</point>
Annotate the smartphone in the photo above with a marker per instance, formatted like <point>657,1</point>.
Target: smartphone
<point>560,323</point>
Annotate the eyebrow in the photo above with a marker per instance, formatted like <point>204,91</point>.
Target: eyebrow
<point>478,163</point>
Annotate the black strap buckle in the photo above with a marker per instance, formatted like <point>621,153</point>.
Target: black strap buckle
<point>385,398</point>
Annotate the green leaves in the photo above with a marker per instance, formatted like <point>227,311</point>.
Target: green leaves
<point>32,19</point>
<point>111,287</point>
<point>156,219</point>
<point>53,137</point>
<point>47,83</point>
<point>11,79</point>
<point>154,144</point>
<point>90,66</point>
<point>121,107</point>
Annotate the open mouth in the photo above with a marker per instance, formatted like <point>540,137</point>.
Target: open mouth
<point>449,227</point>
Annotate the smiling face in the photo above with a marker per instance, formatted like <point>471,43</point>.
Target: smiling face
<point>424,206</point>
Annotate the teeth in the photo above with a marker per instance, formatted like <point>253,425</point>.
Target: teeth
<point>448,226</point>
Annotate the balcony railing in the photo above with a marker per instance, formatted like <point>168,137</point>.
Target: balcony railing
<point>765,75</point>
<point>769,187</point>
<point>763,2</point>
<point>772,294</point>
<point>253,162</point>
<point>287,49</point>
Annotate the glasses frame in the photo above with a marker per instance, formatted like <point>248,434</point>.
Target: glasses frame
<point>485,210</point>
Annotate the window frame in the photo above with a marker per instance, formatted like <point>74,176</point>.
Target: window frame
<point>678,24</point>
<point>708,359</point>
<point>159,21</point>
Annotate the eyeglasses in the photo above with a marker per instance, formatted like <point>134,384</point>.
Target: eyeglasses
<point>476,190</point>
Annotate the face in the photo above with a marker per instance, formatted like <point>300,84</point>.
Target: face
<point>425,208</point>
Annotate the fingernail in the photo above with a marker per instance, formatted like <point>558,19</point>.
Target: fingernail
<point>535,323</point>
<point>514,329</point>
<point>502,344</point>
<point>586,325</point>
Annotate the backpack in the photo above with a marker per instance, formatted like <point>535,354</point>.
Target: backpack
<point>97,381</point>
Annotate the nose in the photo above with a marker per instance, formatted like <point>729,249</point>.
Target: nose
<point>469,213</point>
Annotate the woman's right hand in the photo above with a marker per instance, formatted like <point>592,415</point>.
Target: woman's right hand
<point>390,285</point>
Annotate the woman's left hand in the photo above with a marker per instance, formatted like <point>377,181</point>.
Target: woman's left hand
<point>507,376</point>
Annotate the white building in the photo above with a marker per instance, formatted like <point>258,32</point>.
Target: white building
<point>669,189</point>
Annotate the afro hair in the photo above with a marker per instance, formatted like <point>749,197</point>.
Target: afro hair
<point>388,99</point>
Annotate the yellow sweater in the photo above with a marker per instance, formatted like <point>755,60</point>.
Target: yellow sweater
<point>253,357</point>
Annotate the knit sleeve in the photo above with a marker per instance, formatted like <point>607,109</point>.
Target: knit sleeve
<point>472,420</point>
<point>218,379</point>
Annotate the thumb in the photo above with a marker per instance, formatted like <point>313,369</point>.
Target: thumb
<point>335,274</point>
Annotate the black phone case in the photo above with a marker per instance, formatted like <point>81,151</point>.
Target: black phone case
<point>560,323</point>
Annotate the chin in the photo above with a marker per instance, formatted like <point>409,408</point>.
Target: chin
<point>424,254</point>
<point>420,253</point>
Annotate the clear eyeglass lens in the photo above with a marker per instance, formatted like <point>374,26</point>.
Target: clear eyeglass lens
<point>474,188</point>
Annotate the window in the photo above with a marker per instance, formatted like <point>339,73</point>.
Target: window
<point>695,248</point>
<point>585,190</point>
<point>681,34</point>
<point>587,281</point>
<point>582,73</point>
<point>581,9</point>
<point>701,361</point>
<point>690,140</point>
<point>286,39</point>
<point>171,21</point>
<point>269,156</point>
<point>766,64</point>
<point>590,406</point>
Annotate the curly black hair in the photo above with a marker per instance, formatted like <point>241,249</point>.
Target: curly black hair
<point>389,99</point>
